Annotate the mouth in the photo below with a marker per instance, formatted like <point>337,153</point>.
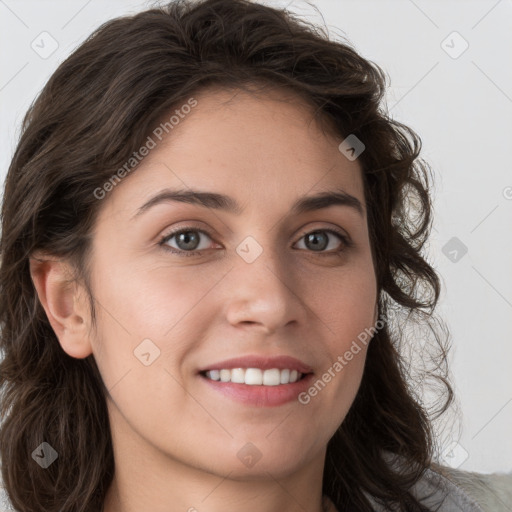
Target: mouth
<point>257,380</point>
<point>255,394</point>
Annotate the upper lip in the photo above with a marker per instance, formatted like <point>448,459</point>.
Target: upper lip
<point>264,362</point>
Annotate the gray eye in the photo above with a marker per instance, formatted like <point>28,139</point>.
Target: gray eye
<point>320,240</point>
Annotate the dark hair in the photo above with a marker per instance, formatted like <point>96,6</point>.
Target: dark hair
<point>97,110</point>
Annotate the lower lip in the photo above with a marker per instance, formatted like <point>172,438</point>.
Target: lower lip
<point>261,396</point>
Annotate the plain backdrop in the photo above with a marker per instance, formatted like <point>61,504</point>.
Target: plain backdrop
<point>449,65</point>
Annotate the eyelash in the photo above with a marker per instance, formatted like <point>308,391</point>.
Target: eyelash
<point>346,242</point>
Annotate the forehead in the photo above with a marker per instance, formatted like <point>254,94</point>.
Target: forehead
<point>265,146</point>
<point>277,119</point>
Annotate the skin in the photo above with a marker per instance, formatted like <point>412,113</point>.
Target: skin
<point>176,440</point>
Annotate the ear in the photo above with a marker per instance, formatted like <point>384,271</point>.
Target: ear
<point>63,302</point>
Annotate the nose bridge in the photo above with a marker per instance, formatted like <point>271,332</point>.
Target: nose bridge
<point>261,262</point>
<point>262,290</point>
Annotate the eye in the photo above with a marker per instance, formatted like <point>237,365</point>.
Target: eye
<point>188,240</point>
<point>320,239</point>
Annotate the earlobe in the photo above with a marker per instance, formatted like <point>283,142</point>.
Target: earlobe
<point>62,302</point>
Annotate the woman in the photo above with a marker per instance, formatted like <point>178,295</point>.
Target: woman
<point>206,233</point>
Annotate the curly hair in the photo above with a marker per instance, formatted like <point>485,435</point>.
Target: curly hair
<point>93,113</point>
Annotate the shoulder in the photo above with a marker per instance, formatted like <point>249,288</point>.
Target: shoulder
<point>455,490</point>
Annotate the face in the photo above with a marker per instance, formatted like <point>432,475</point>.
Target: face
<point>262,279</point>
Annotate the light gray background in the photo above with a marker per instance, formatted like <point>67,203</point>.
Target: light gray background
<point>460,105</point>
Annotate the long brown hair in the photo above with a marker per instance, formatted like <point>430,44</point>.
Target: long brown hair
<point>95,111</point>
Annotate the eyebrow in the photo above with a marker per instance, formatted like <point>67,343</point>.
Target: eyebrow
<point>226,203</point>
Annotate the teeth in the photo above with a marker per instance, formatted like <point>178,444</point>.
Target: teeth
<point>255,376</point>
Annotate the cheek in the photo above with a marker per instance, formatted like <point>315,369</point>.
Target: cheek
<point>346,308</point>
<point>149,300</point>
<point>147,311</point>
<point>345,302</point>
<point>353,327</point>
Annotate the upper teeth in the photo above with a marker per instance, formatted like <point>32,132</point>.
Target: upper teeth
<point>255,376</point>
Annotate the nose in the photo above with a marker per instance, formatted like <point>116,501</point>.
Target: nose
<point>265,293</point>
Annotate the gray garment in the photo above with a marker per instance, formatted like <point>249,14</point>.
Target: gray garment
<point>444,489</point>
<point>441,494</point>
<point>5,506</point>
<point>490,492</point>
